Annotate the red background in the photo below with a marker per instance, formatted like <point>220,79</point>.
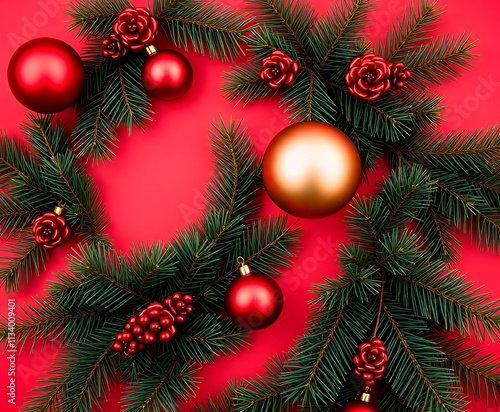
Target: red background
<point>160,175</point>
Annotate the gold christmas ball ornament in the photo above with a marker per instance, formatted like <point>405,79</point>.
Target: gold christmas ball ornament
<point>311,169</point>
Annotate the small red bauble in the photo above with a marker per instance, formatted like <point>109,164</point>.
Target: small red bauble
<point>51,229</point>
<point>358,406</point>
<point>166,74</point>
<point>46,75</point>
<point>253,301</point>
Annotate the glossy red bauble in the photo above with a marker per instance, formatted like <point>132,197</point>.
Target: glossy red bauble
<point>46,75</point>
<point>167,75</point>
<point>359,406</point>
<point>254,301</point>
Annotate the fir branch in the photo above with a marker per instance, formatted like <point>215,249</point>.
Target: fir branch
<point>222,402</point>
<point>336,38</point>
<point>480,372</point>
<point>243,84</point>
<point>447,298</point>
<point>308,99</point>
<point>357,283</point>
<point>162,389</point>
<point>208,336</point>
<point>51,395</point>
<point>94,18</point>
<point>264,393</point>
<point>387,118</point>
<point>24,260</point>
<point>434,386</point>
<point>324,353</point>
<point>415,28</point>
<point>45,320</point>
<point>211,26</point>
<point>293,20</point>
<point>15,215</point>
<point>438,61</point>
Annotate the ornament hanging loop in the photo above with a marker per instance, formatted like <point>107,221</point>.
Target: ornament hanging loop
<point>244,269</point>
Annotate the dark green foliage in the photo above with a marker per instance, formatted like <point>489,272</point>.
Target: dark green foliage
<point>204,25</point>
<point>34,180</point>
<point>387,265</point>
<point>113,93</point>
<point>91,301</point>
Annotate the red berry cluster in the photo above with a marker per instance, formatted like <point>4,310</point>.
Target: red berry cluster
<point>156,323</point>
<point>370,362</point>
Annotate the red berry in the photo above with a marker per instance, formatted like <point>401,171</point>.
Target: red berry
<point>188,299</point>
<point>126,336</point>
<point>117,346</point>
<point>137,330</point>
<point>141,346</point>
<point>140,338</point>
<point>133,320</point>
<point>155,305</point>
<point>128,326</point>
<point>167,302</point>
<point>165,336</point>
<point>144,320</point>
<point>149,337</point>
<point>155,314</point>
<point>189,310</point>
<point>131,351</point>
<point>133,345</point>
<point>180,319</point>
<point>180,305</point>
<point>154,327</point>
<point>119,337</point>
<point>166,321</point>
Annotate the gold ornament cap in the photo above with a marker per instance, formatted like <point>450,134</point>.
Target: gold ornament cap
<point>365,397</point>
<point>59,210</point>
<point>244,269</point>
<point>150,50</point>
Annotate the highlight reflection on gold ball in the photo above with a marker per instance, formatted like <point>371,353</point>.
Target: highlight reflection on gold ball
<point>311,169</point>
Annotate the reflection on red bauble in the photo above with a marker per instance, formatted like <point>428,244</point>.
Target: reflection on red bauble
<point>46,75</point>
<point>311,169</point>
<point>358,406</point>
<point>254,301</point>
<point>166,74</point>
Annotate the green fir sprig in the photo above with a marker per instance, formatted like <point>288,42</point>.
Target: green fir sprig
<point>34,179</point>
<point>91,301</point>
<point>113,93</point>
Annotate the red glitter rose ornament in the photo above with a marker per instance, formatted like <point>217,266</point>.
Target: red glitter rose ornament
<point>370,362</point>
<point>368,76</point>
<point>279,70</point>
<point>135,28</point>
<point>112,47</point>
<point>50,230</point>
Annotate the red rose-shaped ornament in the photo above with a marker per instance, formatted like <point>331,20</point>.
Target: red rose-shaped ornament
<point>279,70</point>
<point>399,75</point>
<point>136,28</point>
<point>112,47</point>
<point>370,362</point>
<point>51,229</point>
<point>368,76</point>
